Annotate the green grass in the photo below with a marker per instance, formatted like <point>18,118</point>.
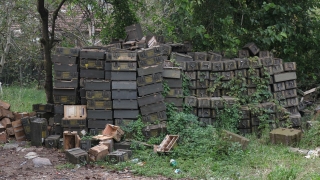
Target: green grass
<point>65,166</point>
<point>22,98</point>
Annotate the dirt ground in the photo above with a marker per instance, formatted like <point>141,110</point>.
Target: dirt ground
<point>15,166</point>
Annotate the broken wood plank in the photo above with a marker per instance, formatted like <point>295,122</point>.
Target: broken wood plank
<point>5,105</point>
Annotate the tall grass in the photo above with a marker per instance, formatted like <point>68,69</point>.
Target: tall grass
<point>22,98</point>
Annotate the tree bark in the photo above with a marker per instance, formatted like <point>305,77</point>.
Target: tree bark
<point>8,39</point>
<point>47,44</point>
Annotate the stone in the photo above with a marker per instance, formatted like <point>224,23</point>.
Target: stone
<point>39,162</point>
<point>10,146</point>
<point>31,155</point>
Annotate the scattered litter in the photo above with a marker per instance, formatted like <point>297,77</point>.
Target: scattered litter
<point>177,171</point>
<point>141,163</point>
<point>23,163</point>
<point>312,154</point>
<point>31,155</point>
<point>136,160</point>
<point>173,163</point>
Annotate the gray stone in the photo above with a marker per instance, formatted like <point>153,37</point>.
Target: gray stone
<point>19,149</point>
<point>10,146</point>
<point>31,155</point>
<point>39,162</point>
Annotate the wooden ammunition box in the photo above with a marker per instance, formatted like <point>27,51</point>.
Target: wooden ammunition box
<point>65,99</point>
<point>151,99</point>
<point>244,124</point>
<point>166,64</point>
<point>276,69</point>
<point>279,95</point>
<point>229,101</point>
<point>77,156</point>
<point>202,93</point>
<point>216,102</point>
<point>290,93</point>
<point>66,84</point>
<point>149,79</point>
<point>214,56</point>
<point>18,130</point>
<point>242,63</point>
<point>204,102</point>
<point>98,95</point>
<point>152,108</point>
<point>65,67</point>
<point>134,32</point>
<point>74,123</point>
<point>150,89</point>
<point>92,54</point>
<point>236,138</point>
<point>245,112</point>
<point>229,65</point>
<point>154,130</point>
<point>52,141</point>
<point>99,105</point>
<point>227,75</point>
<point>67,51</point>
<point>292,84</point>
<point>158,60</point>
<point>215,75</point>
<point>279,86</point>
<point>99,123</point>
<point>59,75</point>
<point>154,117</point>
<point>39,131</point>
<point>123,122</point>
<point>125,85</point>
<point>178,102</point>
<point>191,101</point>
<point>121,55</point>
<point>285,76</point>
<point>198,56</point>
<point>181,57</point>
<point>98,153</point>
<point>264,54</point>
<point>295,120</point>
<point>285,136</point>
<point>124,66</point>
<point>192,66</point>
<point>182,65</point>
<point>125,114</point>
<point>64,59</point>
<point>252,47</point>
<point>125,104</point>
<point>292,102</point>
<point>269,107</point>
<point>201,84</point>
<point>192,75</point>
<point>255,63</point>
<point>75,112</point>
<point>96,85</point>
<point>107,75</point>
<point>217,66</point>
<point>265,71</point>
<point>92,73</point>
<point>241,73</point>
<point>150,52</point>
<point>243,53</point>
<point>85,144</point>
<point>172,73</point>
<point>216,93</point>
<point>91,64</point>
<point>123,76</point>
<point>277,61</point>
<point>201,75</point>
<point>42,107</point>
<point>204,65</point>
<point>174,83</point>
<point>99,114</point>
<point>150,70</point>
<point>117,156</point>
<point>70,140</point>
<point>267,61</point>
<point>107,66</point>
<point>124,94</point>
<point>290,66</point>
<point>175,92</point>
<point>204,113</point>
<point>193,84</point>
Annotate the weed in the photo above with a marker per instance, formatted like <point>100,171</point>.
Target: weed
<point>65,166</point>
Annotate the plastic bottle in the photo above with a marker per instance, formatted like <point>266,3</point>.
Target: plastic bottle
<point>173,162</point>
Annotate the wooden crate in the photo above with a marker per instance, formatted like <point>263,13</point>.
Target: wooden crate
<point>168,143</point>
<point>70,140</point>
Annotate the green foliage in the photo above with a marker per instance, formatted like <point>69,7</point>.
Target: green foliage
<point>185,85</point>
<point>65,166</point>
<point>135,129</point>
<point>22,98</point>
<point>166,88</point>
<point>284,173</point>
<point>228,118</point>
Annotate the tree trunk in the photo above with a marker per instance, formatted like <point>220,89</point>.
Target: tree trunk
<point>48,44</point>
<point>8,41</point>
